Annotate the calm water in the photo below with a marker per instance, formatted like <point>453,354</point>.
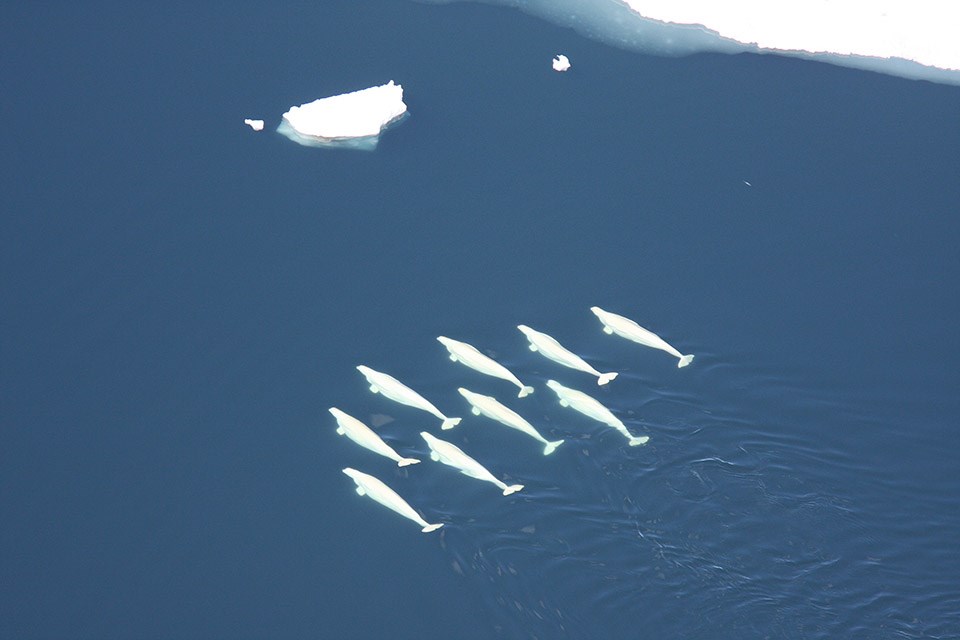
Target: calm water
<point>183,299</point>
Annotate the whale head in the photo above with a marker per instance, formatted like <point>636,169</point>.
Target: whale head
<point>428,437</point>
<point>597,311</point>
<point>444,340</point>
<point>553,384</point>
<point>336,412</point>
<point>351,472</point>
<point>363,369</point>
<point>524,329</point>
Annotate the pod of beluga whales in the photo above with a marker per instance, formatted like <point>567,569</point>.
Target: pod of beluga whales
<point>488,406</point>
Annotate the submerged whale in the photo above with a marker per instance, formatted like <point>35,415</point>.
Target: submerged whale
<point>473,358</point>
<point>627,328</point>
<point>553,350</point>
<point>492,408</point>
<point>450,454</point>
<point>395,390</point>
<point>367,485</point>
<point>590,407</point>
<point>366,437</point>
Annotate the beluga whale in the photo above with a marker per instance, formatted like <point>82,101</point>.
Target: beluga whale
<point>367,438</point>
<point>367,485</point>
<point>548,347</point>
<point>452,455</point>
<point>590,407</point>
<point>395,390</point>
<point>470,356</point>
<point>627,328</point>
<point>491,407</point>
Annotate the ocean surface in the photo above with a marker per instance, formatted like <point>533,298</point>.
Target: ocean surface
<point>183,299</point>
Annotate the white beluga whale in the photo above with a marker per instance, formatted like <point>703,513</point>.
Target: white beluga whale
<point>367,485</point>
<point>627,328</point>
<point>395,390</point>
<point>491,407</point>
<point>367,438</point>
<point>550,348</point>
<point>471,357</point>
<point>452,455</point>
<point>592,408</point>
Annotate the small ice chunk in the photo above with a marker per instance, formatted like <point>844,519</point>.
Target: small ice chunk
<point>349,120</point>
<point>561,63</point>
<point>256,125</point>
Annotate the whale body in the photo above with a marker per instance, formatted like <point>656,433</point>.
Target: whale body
<point>395,390</point>
<point>592,408</point>
<point>452,455</point>
<point>548,347</point>
<point>627,328</point>
<point>367,485</point>
<point>492,408</point>
<point>367,438</point>
<point>473,358</point>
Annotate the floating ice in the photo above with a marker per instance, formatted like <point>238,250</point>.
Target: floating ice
<point>256,125</point>
<point>881,35</point>
<point>908,38</point>
<point>561,62</point>
<point>353,120</point>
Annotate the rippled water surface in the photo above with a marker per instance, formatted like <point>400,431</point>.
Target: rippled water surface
<point>185,298</point>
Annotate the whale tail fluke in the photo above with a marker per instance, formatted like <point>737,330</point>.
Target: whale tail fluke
<point>637,441</point>
<point>684,361</point>
<point>551,447</point>
<point>524,392</point>
<point>606,377</point>
<point>512,489</point>
<point>431,527</point>
<point>449,423</point>
<point>406,462</point>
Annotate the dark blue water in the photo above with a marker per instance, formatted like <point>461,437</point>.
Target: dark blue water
<point>182,299</point>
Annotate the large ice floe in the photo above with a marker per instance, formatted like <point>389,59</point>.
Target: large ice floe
<point>351,120</point>
<point>909,38</point>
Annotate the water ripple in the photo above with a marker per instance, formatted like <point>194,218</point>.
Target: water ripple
<point>760,516</point>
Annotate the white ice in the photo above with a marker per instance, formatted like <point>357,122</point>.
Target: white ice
<point>352,119</point>
<point>561,63</point>
<point>908,38</point>
<point>256,125</point>
<point>924,31</point>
